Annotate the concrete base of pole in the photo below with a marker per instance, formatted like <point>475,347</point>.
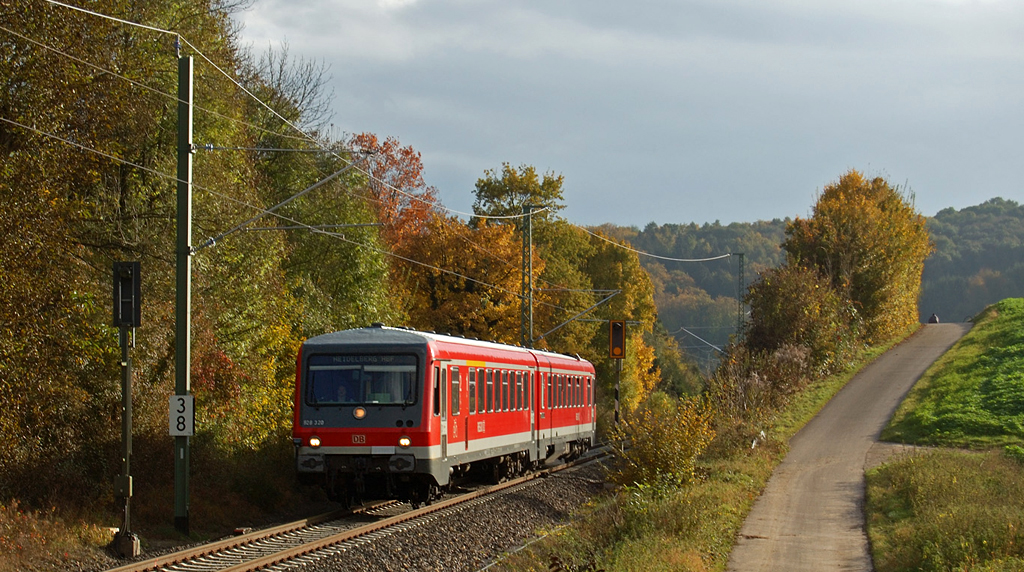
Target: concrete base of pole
<point>126,544</point>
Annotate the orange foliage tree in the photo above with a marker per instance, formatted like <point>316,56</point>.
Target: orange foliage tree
<point>462,280</point>
<point>402,199</point>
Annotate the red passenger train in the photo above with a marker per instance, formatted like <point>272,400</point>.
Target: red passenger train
<point>396,413</point>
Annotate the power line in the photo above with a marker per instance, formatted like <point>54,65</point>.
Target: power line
<point>170,96</point>
<point>642,253</point>
<point>293,126</point>
<point>90,12</point>
<point>89,149</point>
<point>275,113</point>
<point>263,212</point>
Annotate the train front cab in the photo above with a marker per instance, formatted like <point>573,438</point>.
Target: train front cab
<point>362,425</point>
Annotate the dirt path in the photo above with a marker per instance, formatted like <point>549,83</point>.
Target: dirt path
<point>811,515</point>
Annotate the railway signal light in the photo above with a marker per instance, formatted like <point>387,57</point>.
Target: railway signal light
<point>127,295</point>
<point>617,339</point>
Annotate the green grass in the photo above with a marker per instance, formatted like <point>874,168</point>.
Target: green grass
<point>947,510</point>
<point>973,396</point>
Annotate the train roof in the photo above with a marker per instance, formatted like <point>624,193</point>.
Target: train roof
<point>381,334</point>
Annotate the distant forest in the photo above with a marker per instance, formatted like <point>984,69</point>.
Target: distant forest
<point>978,260</point>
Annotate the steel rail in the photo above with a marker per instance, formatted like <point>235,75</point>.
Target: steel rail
<point>242,539</point>
<point>344,536</point>
<point>240,543</point>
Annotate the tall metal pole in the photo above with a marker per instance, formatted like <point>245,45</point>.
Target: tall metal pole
<point>618,380</point>
<point>126,423</point>
<point>526,298</point>
<point>739,293</point>
<point>183,286</point>
<point>126,542</point>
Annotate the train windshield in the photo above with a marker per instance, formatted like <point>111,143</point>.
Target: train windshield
<point>361,380</point>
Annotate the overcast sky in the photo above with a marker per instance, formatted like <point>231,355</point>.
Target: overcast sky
<point>679,111</point>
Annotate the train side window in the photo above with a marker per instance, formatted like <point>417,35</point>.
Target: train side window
<point>550,383</point>
<point>455,390</point>
<point>528,382</point>
<point>497,392</point>
<point>504,391</point>
<point>578,394</point>
<point>490,390</point>
<point>472,391</point>
<point>515,382</point>
<point>437,390</point>
<point>481,388</point>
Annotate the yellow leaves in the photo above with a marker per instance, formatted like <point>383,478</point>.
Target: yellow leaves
<point>867,239</point>
<point>664,438</point>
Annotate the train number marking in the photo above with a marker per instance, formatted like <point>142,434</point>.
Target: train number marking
<point>479,426</point>
<point>359,439</point>
<point>312,422</point>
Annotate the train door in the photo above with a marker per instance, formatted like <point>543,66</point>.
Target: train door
<point>454,409</point>
<point>528,387</point>
<point>441,405</point>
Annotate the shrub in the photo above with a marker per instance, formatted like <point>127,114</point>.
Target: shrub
<point>661,440</point>
<point>749,385</point>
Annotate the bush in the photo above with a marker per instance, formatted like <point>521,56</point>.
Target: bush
<point>797,306</point>
<point>749,385</point>
<point>661,440</point>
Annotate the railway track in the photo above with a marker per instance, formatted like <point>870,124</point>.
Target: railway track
<point>302,542</point>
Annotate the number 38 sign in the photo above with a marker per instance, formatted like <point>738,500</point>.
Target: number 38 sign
<point>181,416</point>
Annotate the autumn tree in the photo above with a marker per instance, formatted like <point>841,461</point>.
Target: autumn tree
<point>867,239</point>
<point>463,280</point>
<point>505,193</point>
<point>71,209</point>
<point>796,306</point>
<point>402,200</point>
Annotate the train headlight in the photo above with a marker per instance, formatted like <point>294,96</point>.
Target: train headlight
<point>314,441</point>
<point>404,442</point>
<point>358,413</point>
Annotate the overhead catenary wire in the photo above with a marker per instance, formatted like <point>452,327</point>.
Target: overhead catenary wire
<point>642,253</point>
<point>152,89</point>
<point>308,137</point>
<point>278,115</point>
<point>264,212</point>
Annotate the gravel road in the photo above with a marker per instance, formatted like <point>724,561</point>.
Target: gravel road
<point>811,515</point>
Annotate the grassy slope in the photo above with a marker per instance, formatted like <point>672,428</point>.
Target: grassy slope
<point>693,528</point>
<point>974,395</point>
<point>958,510</point>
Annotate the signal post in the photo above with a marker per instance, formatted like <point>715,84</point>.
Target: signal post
<point>617,351</point>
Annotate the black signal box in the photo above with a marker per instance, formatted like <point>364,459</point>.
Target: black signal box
<point>127,295</point>
<point>617,339</point>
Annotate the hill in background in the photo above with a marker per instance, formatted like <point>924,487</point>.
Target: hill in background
<point>978,260</point>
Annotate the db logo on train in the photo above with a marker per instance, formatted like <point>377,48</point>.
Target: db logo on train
<point>359,439</point>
